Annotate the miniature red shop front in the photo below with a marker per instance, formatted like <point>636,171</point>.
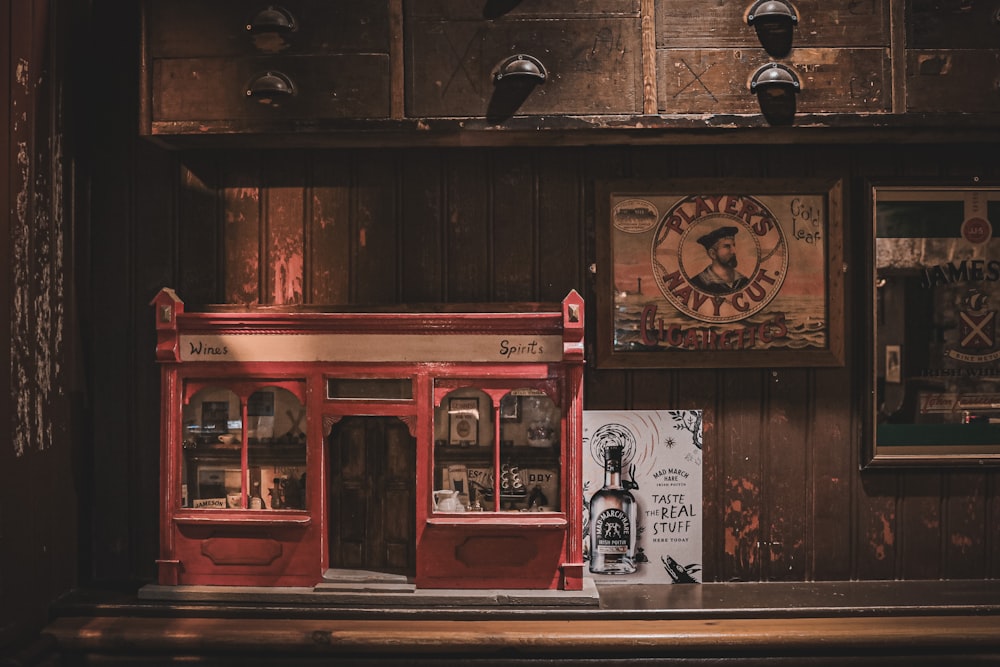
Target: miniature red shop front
<point>439,446</point>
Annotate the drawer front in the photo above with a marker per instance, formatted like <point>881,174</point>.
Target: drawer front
<point>593,66</point>
<point>191,28</point>
<point>952,24</point>
<point>717,80</point>
<point>472,10</point>
<point>845,23</point>
<point>213,89</point>
<point>965,81</point>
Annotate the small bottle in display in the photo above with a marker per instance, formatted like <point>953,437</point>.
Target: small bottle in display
<point>612,520</point>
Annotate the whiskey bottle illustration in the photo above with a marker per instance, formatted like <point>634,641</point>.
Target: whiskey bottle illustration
<point>612,520</point>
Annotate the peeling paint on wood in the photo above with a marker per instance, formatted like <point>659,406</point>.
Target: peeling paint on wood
<point>36,267</point>
<point>882,538</point>
<point>742,522</point>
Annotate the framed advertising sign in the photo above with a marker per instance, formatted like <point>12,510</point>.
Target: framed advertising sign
<point>720,273</point>
<point>935,343</point>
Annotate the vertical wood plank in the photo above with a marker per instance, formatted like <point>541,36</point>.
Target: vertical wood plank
<point>991,518</point>
<point>920,551</point>
<point>740,410</point>
<point>514,215</point>
<point>421,217</point>
<point>560,209</point>
<point>964,521</point>
<point>242,188</point>
<point>833,465</point>
<point>110,242</point>
<point>155,267</point>
<point>199,231</point>
<point>377,240</point>
<point>647,13</point>
<point>787,474</point>
<point>467,235</point>
<point>329,230</point>
<point>877,526</point>
<point>283,248</point>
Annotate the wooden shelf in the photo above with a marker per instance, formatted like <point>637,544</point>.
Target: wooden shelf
<point>826,623</point>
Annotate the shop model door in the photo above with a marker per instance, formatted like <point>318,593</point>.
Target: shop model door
<point>372,495</point>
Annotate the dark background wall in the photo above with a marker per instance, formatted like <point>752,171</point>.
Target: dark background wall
<point>785,498</point>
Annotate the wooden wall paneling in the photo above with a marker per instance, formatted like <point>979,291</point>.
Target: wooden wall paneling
<point>112,302</point>
<point>877,526</point>
<point>875,519</point>
<point>39,519</point>
<point>991,519</point>
<point>155,267</point>
<point>515,220</point>
<point>283,250</point>
<point>328,246</point>
<point>421,218</point>
<point>833,471</point>
<point>200,277</point>
<point>921,543</point>
<point>560,224</point>
<point>377,276</point>
<point>786,450</point>
<point>964,528</point>
<point>467,235</point>
<point>698,390</point>
<point>741,411</point>
<point>602,389</point>
<point>242,225</point>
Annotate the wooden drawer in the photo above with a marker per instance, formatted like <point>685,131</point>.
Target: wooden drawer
<point>966,81</point>
<point>207,89</point>
<point>843,23</point>
<point>593,65</point>
<point>189,28</point>
<point>717,80</point>
<point>952,24</point>
<point>464,10</point>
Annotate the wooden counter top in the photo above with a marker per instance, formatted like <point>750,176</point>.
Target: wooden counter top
<point>910,623</point>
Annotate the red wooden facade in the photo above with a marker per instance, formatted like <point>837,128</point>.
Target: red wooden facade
<point>251,391</point>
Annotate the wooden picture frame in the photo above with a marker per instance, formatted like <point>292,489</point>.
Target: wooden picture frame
<point>934,348</point>
<point>669,295</point>
<point>463,422</point>
<point>510,408</point>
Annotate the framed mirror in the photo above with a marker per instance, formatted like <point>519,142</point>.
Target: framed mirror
<point>934,354</point>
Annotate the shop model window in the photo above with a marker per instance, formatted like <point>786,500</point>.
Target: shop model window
<point>244,446</point>
<point>472,473</point>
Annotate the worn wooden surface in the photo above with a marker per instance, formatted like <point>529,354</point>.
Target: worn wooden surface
<point>821,23</point>
<point>189,28</point>
<point>863,623</point>
<point>830,623</point>
<point>717,81</point>
<point>953,80</point>
<point>41,412</point>
<point>593,66</point>
<point>784,498</point>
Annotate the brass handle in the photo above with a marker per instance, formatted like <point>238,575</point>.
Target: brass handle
<point>772,10</point>
<point>774,79</point>
<point>272,19</point>
<point>521,66</point>
<point>269,85</point>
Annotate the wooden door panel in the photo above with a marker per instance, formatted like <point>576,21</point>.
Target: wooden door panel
<point>372,495</point>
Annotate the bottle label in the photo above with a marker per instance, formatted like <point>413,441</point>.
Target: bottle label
<point>612,532</point>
